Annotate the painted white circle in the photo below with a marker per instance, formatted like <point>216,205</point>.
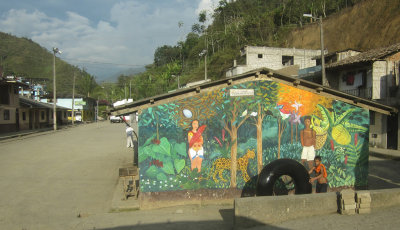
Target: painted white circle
<point>187,113</point>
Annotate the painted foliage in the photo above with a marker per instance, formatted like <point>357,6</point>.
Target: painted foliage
<point>222,138</point>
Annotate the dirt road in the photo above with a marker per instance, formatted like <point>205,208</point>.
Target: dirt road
<point>48,179</point>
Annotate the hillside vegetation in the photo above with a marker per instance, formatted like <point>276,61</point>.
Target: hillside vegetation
<point>22,57</point>
<point>356,24</point>
<point>368,25</point>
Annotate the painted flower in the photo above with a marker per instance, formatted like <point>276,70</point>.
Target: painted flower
<point>355,138</point>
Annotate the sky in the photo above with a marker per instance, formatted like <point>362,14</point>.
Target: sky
<point>102,36</point>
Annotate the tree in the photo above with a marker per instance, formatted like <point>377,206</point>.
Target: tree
<point>166,54</point>
<point>86,84</point>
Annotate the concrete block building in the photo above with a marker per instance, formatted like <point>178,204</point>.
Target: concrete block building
<point>275,58</point>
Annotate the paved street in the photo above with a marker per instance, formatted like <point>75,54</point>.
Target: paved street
<point>48,179</point>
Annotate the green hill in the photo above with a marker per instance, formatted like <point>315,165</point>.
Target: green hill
<point>24,58</point>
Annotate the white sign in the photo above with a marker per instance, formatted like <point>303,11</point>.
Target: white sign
<point>241,92</point>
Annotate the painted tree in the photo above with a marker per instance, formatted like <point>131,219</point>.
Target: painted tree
<point>233,112</point>
<point>198,107</point>
<point>159,116</point>
<point>265,97</point>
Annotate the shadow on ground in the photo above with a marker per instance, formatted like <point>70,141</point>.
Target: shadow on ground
<point>383,173</point>
<point>201,225</point>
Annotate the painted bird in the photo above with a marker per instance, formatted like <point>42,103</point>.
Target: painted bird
<point>244,113</point>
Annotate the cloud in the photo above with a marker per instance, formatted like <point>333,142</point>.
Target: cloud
<point>129,36</point>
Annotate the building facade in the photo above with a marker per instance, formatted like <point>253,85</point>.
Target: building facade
<point>210,142</point>
<point>254,57</point>
<point>374,75</point>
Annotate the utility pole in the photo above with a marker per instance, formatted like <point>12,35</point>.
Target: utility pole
<point>205,66</point>
<point>55,50</point>
<point>324,80</point>
<point>73,100</point>
<point>130,88</point>
<point>125,90</point>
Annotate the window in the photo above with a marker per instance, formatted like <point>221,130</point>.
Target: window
<point>287,60</point>
<point>42,115</point>
<point>371,118</point>
<point>6,114</point>
<point>260,56</point>
<point>24,116</point>
<point>4,96</point>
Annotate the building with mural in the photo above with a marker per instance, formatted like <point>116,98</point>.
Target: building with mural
<point>211,141</point>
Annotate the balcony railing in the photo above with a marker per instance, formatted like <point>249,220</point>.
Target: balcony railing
<point>363,92</point>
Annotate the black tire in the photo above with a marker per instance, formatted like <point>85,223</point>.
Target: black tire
<point>274,170</point>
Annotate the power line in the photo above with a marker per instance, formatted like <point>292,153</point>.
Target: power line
<point>101,63</point>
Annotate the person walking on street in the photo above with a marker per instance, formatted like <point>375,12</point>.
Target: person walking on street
<point>129,136</point>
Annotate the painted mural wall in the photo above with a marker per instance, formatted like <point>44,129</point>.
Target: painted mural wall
<point>222,138</point>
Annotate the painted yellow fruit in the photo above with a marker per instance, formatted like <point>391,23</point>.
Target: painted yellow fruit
<point>341,135</point>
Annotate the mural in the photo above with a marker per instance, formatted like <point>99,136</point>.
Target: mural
<point>222,138</point>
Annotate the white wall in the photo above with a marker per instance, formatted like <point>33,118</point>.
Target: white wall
<point>382,73</point>
<point>380,128</point>
<point>12,119</point>
<point>272,57</point>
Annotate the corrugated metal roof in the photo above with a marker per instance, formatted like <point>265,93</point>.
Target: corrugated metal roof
<point>37,104</point>
<point>368,56</point>
<point>263,73</point>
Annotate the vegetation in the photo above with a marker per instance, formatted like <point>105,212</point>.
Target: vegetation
<point>221,34</point>
<point>234,25</point>
<point>22,57</point>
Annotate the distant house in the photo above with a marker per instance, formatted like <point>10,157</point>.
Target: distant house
<point>275,58</point>
<point>40,115</point>
<point>20,113</point>
<point>10,113</point>
<point>373,74</point>
<point>83,107</point>
<point>314,73</point>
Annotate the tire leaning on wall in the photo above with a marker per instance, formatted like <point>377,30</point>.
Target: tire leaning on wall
<point>274,170</point>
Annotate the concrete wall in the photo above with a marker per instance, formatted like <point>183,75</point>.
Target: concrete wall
<point>272,57</point>
<point>222,120</point>
<point>398,132</point>
<point>12,115</point>
<point>24,124</point>
<point>381,79</point>
<point>252,211</point>
<point>380,129</point>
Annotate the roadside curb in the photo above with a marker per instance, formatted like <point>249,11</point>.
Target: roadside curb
<point>253,211</point>
<point>18,135</point>
<point>119,204</point>
<point>384,155</point>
